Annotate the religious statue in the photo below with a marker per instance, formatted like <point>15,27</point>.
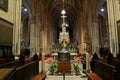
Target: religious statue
<point>64,36</point>
<point>64,43</point>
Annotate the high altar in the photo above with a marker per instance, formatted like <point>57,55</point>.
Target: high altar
<point>64,45</point>
<point>64,52</point>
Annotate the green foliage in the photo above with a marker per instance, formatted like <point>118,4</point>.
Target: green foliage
<point>76,67</point>
<point>52,67</point>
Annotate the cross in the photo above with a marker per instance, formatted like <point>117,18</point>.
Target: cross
<point>63,17</point>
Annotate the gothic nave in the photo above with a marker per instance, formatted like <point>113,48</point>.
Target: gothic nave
<point>59,39</point>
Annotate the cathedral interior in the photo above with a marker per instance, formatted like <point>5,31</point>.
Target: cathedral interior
<point>35,34</point>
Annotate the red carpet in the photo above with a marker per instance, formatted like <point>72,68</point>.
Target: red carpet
<point>48,59</point>
<point>39,77</point>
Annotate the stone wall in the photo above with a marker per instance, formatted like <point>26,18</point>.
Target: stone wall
<point>9,15</point>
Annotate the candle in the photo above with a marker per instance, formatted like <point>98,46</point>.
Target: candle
<point>87,61</point>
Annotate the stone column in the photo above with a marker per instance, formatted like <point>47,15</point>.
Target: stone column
<point>37,30</point>
<point>78,34</point>
<point>43,50</point>
<point>32,34</point>
<point>49,40</point>
<point>118,8</point>
<point>51,35</point>
<point>44,47</point>
<point>42,35</point>
<point>37,37</point>
<point>93,27</point>
<point>16,27</point>
<point>83,28</point>
<point>95,35</point>
<point>113,37</point>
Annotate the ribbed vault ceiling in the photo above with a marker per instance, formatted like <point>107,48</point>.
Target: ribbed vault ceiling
<point>73,9</point>
<point>55,7</point>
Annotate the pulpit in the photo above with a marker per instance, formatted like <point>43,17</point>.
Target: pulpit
<point>64,64</point>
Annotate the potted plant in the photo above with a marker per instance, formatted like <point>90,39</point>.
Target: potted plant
<point>76,68</point>
<point>52,68</point>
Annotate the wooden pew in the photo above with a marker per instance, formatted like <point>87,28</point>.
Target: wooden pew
<point>7,73</point>
<point>3,60</point>
<point>27,71</point>
<point>115,61</point>
<point>104,70</point>
<point>16,63</point>
<point>23,71</point>
<point>93,76</point>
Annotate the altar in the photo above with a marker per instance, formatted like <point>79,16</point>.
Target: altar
<point>65,45</point>
<point>55,55</point>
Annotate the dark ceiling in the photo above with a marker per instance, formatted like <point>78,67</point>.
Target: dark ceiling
<point>72,8</point>
<point>54,7</point>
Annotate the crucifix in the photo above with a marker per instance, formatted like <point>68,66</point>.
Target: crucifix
<point>63,18</point>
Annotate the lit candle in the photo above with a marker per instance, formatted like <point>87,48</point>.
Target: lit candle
<point>87,61</point>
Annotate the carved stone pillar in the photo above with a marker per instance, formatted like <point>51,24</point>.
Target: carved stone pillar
<point>32,34</point>
<point>43,36</point>
<point>95,41</point>
<point>37,30</point>
<point>93,27</point>
<point>16,27</point>
<point>112,27</point>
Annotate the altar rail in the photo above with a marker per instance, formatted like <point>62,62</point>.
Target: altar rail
<point>104,70</point>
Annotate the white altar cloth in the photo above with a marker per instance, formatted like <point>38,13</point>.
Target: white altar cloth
<point>72,54</point>
<point>67,77</point>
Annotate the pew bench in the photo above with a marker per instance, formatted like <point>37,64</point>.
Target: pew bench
<point>27,71</point>
<point>93,76</point>
<point>39,77</point>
